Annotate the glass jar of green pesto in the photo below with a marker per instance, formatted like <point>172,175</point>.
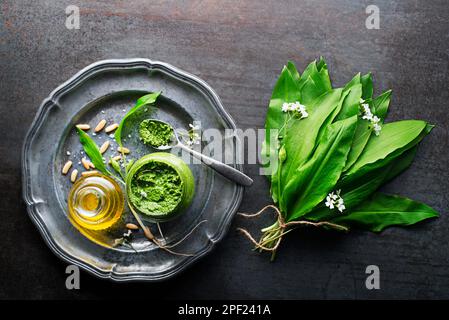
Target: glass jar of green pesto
<point>160,186</point>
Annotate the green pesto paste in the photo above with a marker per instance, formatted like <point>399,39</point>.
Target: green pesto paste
<point>156,188</point>
<point>155,133</point>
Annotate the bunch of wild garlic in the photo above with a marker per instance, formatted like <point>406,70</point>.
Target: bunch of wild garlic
<point>329,152</point>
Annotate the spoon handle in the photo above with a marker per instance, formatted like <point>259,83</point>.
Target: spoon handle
<point>225,170</point>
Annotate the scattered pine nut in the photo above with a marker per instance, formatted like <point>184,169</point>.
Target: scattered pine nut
<point>123,150</point>
<point>111,127</point>
<point>132,226</point>
<point>104,147</point>
<point>85,163</point>
<point>66,167</point>
<point>100,125</point>
<point>91,165</point>
<point>117,158</point>
<point>83,126</point>
<point>74,175</point>
<point>88,173</point>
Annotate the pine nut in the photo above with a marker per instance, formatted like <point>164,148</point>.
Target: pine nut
<point>85,163</point>
<point>100,125</point>
<point>88,173</point>
<point>83,126</point>
<point>132,226</point>
<point>123,150</point>
<point>111,127</point>
<point>74,175</point>
<point>104,147</point>
<point>91,165</point>
<point>66,167</point>
<point>117,158</point>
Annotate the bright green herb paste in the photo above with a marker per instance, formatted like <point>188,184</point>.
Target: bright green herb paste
<point>156,188</point>
<point>155,133</point>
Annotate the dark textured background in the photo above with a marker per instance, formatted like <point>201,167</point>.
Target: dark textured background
<point>239,47</point>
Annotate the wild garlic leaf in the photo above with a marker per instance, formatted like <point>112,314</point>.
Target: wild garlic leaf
<point>400,164</point>
<point>129,165</point>
<point>367,86</point>
<point>361,138</point>
<point>142,101</point>
<point>381,104</point>
<point>350,106</point>
<point>395,137</point>
<point>116,166</point>
<point>302,135</point>
<point>321,173</point>
<point>293,72</point>
<point>382,210</point>
<point>365,128</point>
<point>332,117</point>
<point>319,74</point>
<point>285,90</point>
<point>92,150</point>
<point>359,190</point>
<point>310,91</point>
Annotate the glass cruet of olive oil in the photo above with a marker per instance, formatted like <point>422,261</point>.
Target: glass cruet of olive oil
<point>96,203</point>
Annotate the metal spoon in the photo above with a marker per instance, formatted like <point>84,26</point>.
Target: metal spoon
<point>225,170</point>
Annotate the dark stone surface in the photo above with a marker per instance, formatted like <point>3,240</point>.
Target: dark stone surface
<point>239,47</point>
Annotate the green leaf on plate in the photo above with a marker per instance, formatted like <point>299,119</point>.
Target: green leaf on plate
<point>142,101</point>
<point>92,150</point>
<point>116,166</point>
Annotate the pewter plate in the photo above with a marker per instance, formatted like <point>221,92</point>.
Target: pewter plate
<point>106,89</point>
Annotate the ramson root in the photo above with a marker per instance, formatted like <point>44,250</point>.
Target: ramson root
<point>273,235</point>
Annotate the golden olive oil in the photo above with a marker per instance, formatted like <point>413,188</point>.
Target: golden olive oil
<point>96,204</point>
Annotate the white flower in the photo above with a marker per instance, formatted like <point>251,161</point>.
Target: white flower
<point>295,107</point>
<point>377,129</point>
<point>194,127</point>
<point>334,199</point>
<point>329,202</point>
<point>341,207</point>
<point>368,115</point>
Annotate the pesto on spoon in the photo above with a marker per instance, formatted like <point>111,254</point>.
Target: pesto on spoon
<point>165,137</point>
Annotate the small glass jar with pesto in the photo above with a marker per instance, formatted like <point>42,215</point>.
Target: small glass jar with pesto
<point>160,186</point>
